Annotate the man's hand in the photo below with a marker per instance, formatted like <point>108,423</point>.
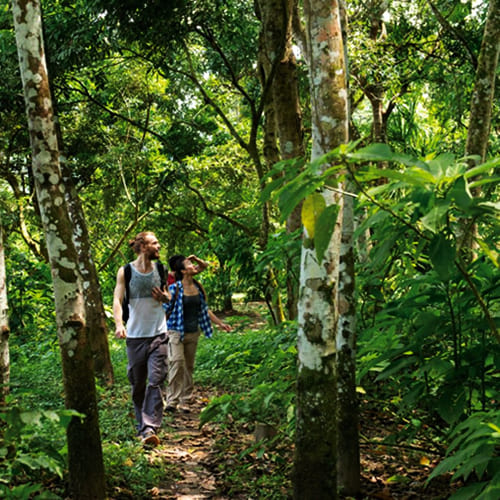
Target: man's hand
<point>120,332</point>
<point>161,295</point>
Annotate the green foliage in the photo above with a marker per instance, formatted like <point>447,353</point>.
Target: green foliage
<point>473,456</point>
<point>30,295</point>
<point>282,255</point>
<point>31,447</point>
<point>428,315</point>
<point>130,472</point>
<point>248,364</point>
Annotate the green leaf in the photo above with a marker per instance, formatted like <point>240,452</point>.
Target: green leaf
<point>325,227</point>
<point>312,208</point>
<point>373,152</point>
<point>442,254</point>
<point>451,405</point>
<point>486,180</point>
<point>481,169</point>
<point>440,165</point>
<point>460,194</point>
<point>468,492</point>
<point>31,417</point>
<point>397,366</point>
<point>490,253</point>
<point>435,220</point>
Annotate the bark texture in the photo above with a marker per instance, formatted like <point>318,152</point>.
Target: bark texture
<point>85,462</point>
<point>348,461</point>
<point>316,433</point>
<point>94,307</point>
<point>4,326</point>
<point>281,76</point>
<point>482,98</point>
<point>478,132</point>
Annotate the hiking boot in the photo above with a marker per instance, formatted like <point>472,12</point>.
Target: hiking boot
<point>149,438</point>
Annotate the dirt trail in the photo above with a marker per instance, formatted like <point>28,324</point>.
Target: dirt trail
<point>190,450</point>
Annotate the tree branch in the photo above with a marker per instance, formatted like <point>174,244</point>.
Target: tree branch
<point>208,210</point>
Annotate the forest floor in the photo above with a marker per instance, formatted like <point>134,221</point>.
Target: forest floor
<point>208,460</point>
<point>203,466</point>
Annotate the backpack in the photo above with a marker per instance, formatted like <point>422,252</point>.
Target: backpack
<point>127,269</point>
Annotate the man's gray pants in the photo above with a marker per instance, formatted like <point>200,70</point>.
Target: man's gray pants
<point>146,371</point>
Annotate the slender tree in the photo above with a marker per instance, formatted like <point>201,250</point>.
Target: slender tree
<point>4,326</point>
<point>279,72</point>
<point>94,307</point>
<point>478,132</point>
<point>348,460</point>
<point>316,425</point>
<point>86,470</point>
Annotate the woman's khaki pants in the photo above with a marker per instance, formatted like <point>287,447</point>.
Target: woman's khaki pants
<point>181,357</point>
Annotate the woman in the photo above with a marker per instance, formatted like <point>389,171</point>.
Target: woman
<point>187,313</point>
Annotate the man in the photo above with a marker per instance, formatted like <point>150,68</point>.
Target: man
<point>145,334</point>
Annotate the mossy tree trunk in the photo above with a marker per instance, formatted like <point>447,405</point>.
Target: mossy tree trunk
<point>94,307</point>
<point>281,77</point>
<point>315,467</point>
<point>478,132</point>
<point>348,459</point>
<point>86,469</point>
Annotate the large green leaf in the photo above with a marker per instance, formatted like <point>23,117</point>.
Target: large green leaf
<point>442,254</point>
<point>483,168</point>
<point>324,229</point>
<point>312,208</point>
<point>451,404</point>
<point>441,165</point>
<point>460,193</point>
<point>435,220</point>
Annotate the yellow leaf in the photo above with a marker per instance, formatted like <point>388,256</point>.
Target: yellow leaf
<point>312,207</point>
<point>424,461</point>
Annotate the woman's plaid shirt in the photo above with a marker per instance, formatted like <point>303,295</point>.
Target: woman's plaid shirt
<point>176,310</point>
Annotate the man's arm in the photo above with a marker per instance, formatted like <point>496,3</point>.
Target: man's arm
<point>120,331</point>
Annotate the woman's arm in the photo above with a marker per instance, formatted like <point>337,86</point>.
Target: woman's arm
<point>223,326</point>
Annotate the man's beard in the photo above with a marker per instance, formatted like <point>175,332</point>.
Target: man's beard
<point>153,255</point>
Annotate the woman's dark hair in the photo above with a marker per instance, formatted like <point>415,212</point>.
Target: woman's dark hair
<point>176,263</point>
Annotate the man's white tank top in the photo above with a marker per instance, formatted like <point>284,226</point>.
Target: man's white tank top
<point>146,315</point>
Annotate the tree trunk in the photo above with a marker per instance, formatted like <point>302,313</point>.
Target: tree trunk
<point>94,307</point>
<point>86,469</point>
<point>478,132</point>
<point>271,156</point>
<point>482,98</point>
<point>348,460</point>
<point>315,474</point>
<point>4,326</point>
<point>276,44</point>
